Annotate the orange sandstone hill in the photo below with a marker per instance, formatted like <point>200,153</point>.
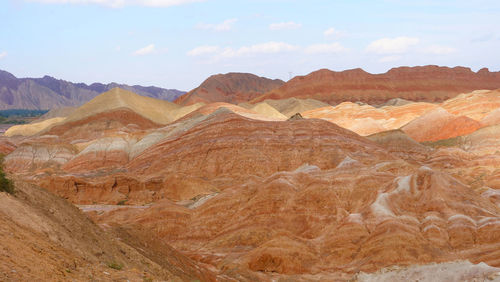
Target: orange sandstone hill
<point>230,88</point>
<point>422,83</point>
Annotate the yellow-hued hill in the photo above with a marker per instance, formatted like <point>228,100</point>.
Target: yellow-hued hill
<point>157,111</point>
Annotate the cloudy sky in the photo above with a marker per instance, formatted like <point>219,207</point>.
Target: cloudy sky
<point>179,43</point>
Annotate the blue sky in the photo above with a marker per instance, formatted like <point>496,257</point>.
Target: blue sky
<point>179,43</point>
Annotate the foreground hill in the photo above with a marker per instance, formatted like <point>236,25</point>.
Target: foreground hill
<point>48,92</point>
<point>43,237</point>
<point>426,83</point>
<point>230,88</point>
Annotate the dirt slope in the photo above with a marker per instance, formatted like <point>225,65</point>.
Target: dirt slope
<point>43,237</point>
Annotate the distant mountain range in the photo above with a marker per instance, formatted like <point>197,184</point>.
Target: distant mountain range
<point>423,83</point>
<point>49,93</point>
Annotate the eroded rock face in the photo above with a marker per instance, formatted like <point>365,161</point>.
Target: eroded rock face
<point>348,219</point>
<point>106,153</point>
<point>102,188</point>
<point>31,156</point>
<point>237,147</point>
<point>423,122</point>
<point>179,161</point>
<point>427,83</point>
<point>439,124</point>
<point>366,119</point>
<point>6,146</point>
<point>451,271</point>
<point>475,105</point>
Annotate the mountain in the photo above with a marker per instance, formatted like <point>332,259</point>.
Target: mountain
<point>248,196</point>
<point>422,83</point>
<point>230,88</point>
<point>48,92</point>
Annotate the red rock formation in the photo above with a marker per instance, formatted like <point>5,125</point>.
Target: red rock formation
<point>346,219</point>
<point>422,121</point>
<point>231,88</point>
<point>30,156</point>
<point>180,166</point>
<point>366,119</point>
<point>229,144</point>
<point>6,146</point>
<point>476,105</point>
<point>440,124</point>
<point>427,83</point>
<point>101,125</point>
<point>122,187</point>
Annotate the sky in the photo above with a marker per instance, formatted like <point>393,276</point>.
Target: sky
<point>179,43</point>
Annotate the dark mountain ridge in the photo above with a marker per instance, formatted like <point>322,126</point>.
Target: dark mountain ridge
<point>48,92</point>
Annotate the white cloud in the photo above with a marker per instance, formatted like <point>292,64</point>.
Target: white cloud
<point>389,59</point>
<point>224,26</point>
<point>203,50</point>
<point>332,32</point>
<point>325,48</point>
<point>121,3</point>
<point>263,48</point>
<point>439,50</point>
<point>3,55</point>
<point>395,45</point>
<point>284,25</point>
<point>146,50</point>
<point>216,53</point>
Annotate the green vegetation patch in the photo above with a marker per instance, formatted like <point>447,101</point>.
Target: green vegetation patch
<point>22,113</point>
<point>5,184</point>
<point>19,116</point>
<point>115,265</point>
<point>451,142</point>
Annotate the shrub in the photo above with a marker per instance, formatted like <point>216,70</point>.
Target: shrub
<point>5,184</point>
<point>114,265</point>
